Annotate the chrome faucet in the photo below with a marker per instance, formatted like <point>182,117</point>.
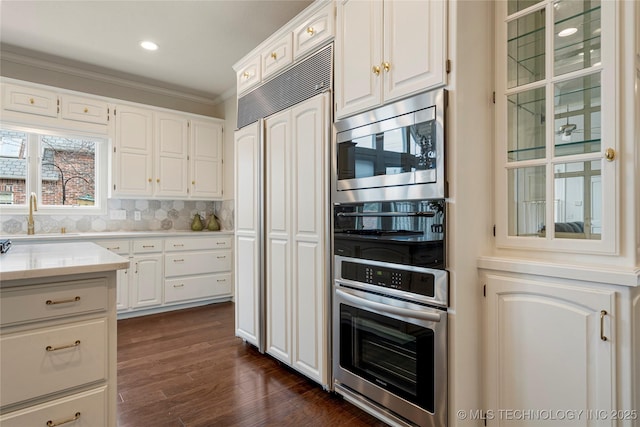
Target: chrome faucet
<point>33,206</point>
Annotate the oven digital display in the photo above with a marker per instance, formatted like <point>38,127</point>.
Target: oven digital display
<point>404,280</point>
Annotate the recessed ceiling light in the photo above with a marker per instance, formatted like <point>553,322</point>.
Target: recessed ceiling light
<point>567,32</point>
<point>148,45</point>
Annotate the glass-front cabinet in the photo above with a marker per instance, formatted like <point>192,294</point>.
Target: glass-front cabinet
<point>556,133</point>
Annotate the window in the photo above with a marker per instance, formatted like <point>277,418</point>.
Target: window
<point>66,172</point>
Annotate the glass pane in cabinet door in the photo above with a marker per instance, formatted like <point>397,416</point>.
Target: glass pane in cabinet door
<point>576,35</point>
<point>577,106</point>
<point>526,125</point>
<point>527,201</point>
<point>578,200</point>
<point>526,49</point>
<point>514,6</point>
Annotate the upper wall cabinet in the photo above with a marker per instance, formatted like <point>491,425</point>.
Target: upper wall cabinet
<point>556,131</point>
<point>386,50</point>
<point>166,155</point>
<point>304,34</point>
<point>314,31</point>
<point>37,105</point>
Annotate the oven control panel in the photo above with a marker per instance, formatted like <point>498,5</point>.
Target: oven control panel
<point>404,280</point>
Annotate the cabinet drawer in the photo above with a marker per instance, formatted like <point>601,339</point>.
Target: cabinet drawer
<point>196,287</point>
<point>313,32</point>
<point>277,56</point>
<point>85,409</point>
<point>30,100</point>
<point>249,75</point>
<point>121,247</point>
<point>31,303</point>
<point>195,244</point>
<point>53,359</point>
<point>142,246</point>
<point>197,263</point>
<point>84,110</point>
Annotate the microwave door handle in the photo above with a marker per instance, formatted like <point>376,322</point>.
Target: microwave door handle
<point>433,317</point>
<point>426,214</point>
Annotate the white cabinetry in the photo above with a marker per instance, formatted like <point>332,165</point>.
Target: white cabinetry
<point>551,346</point>
<point>386,50</point>
<point>248,199</point>
<point>295,258</point>
<point>120,247</point>
<point>197,268</point>
<point>166,155</point>
<point>171,150</point>
<point>309,30</point>
<point>40,104</point>
<point>205,159</point>
<point>58,351</point>
<point>169,272</point>
<point>147,280</point>
<point>133,152</point>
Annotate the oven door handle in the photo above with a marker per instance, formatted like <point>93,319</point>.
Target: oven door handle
<point>406,312</point>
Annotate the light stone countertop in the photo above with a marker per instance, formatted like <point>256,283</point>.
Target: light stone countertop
<point>54,237</point>
<point>29,261</point>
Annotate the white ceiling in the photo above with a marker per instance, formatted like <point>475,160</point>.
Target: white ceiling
<point>199,40</point>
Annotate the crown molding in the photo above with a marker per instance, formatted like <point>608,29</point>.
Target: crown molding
<point>107,78</point>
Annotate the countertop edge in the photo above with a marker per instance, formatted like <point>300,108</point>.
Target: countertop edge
<point>63,271</point>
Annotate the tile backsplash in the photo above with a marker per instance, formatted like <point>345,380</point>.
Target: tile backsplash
<point>155,215</point>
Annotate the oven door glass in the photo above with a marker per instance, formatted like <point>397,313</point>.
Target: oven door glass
<point>395,355</point>
<point>398,151</point>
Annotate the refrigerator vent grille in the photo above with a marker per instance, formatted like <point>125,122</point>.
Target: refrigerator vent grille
<point>303,81</point>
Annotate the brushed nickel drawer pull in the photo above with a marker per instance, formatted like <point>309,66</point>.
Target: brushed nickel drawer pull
<point>221,243</point>
<point>221,280</point>
<point>114,249</point>
<point>178,245</point>
<point>75,344</point>
<point>602,314</point>
<point>179,260</point>
<point>64,301</point>
<point>59,423</point>
<point>221,257</point>
<point>148,246</point>
<point>181,285</point>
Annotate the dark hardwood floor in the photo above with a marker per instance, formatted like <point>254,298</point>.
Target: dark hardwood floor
<point>186,368</point>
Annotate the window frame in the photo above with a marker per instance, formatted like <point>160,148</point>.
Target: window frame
<point>33,174</point>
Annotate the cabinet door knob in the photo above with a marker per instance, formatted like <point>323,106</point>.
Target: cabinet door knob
<point>86,110</point>
<point>311,31</point>
<point>376,70</point>
<point>193,183</point>
<point>610,154</point>
<point>274,55</point>
<point>32,101</point>
<point>386,66</point>
<point>246,75</point>
<point>150,180</point>
<point>158,180</point>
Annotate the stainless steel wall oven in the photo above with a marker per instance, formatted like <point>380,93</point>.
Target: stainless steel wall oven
<point>390,302</point>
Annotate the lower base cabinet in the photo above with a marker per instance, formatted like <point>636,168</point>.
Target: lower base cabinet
<point>560,346</point>
<point>170,272</point>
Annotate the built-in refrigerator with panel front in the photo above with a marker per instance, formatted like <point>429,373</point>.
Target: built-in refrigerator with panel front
<point>282,259</point>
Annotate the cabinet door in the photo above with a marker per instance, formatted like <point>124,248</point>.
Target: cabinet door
<point>147,281</point>
<point>358,74</point>
<point>314,31</point>
<point>84,110</point>
<point>133,152</point>
<point>534,363</point>
<point>29,100</point>
<point>171,149</point>
<point>277,56</point>
<point>248,173</point>
<point>278,234</point>
<point>310,211</point>
<point>414,47</point>
<point>205,162</point>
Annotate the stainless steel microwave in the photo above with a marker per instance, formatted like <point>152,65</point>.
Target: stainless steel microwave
<point>393,152</point>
